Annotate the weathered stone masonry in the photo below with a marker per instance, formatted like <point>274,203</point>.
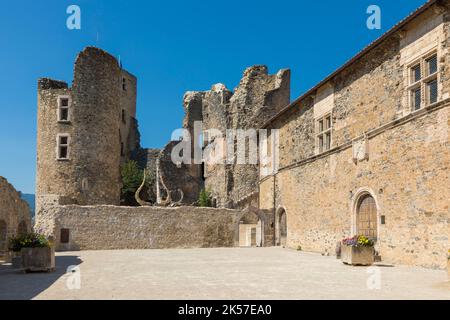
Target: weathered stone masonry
<point>14,215</point>
<point>101,130</point>
<point>110,227</point>
<point>380,147</point>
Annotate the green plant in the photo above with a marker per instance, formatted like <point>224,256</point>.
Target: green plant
<point>358,241</point>
<point>29,240</point>
<point>205,199</point>
<point>132,177</point>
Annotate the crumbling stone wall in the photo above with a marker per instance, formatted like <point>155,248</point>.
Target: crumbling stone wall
<point>129,133</point>
<point>258,97</point>
<point>91,175</point>
<point>404,162</point>
<point>111,228</point>
<point>14,214</point>
<point>176,182</point>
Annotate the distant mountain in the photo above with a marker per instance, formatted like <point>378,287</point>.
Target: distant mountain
<point>30,199</point>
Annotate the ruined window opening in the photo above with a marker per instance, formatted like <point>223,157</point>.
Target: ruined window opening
<point>124,84</point>
<point>65,236</point>
<point>124,119</point>
<point>122,149</point>
<point>63,147</point>
<point>63,109</point>
<point>423,82</point>
<point>203,171</point>
<point>22,228</point>
<point>324,129</point>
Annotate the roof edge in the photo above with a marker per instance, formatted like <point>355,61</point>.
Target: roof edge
<point>355,58</point>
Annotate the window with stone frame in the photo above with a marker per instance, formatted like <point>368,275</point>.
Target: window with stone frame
<point>63,147</point>
<point>63,109</point>
<point>324,126</point>
<point>423,81</point>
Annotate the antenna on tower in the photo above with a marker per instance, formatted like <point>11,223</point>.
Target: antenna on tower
<point>120,62</point>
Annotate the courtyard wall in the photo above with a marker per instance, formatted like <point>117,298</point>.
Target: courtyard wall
<point>114,228</point>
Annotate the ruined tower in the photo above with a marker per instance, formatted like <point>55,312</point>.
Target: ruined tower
<point>85,132</point>
<point>258,97</point>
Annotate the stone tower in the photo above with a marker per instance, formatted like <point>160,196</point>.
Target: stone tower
<point>85,132</point>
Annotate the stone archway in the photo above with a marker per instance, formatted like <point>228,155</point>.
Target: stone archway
<point>366,214</point>
<point>3,237</point>
<point>22,228</point>
<point>250,229</point>
<point>281,228</point>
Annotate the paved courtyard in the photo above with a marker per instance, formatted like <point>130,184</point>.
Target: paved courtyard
<point>266,273</point>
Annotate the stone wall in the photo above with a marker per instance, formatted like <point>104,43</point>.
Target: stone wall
<point>258,97</point>
<point>177,183</point>
<point>110,227</point>
<point>380,146</point>
<point>14,214</point>
<point>129,134</point>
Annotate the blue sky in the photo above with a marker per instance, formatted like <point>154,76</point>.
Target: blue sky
<point>172,47</point>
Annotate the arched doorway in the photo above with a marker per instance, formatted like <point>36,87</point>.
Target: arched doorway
<point>367,216</point>
<point>22,228</point>
<point>3,237</point>
<point>250,229</point>
<point>281,228</point>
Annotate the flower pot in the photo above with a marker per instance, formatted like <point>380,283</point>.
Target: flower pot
<point>38,259</point>
<point>16,260</point>
<point>357,256</point>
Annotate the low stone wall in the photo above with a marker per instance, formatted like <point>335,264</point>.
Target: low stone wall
<point>113,228</point>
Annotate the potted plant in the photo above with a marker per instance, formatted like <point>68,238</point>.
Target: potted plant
<point>15,248</point>
<point>358,251</point>
<point>37,253</point>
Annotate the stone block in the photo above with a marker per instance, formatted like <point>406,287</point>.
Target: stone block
<point>357,256</point>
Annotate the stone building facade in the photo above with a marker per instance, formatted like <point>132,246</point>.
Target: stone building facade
<point>85,132</point>
<point>15,215</point>
<point>367,151</point>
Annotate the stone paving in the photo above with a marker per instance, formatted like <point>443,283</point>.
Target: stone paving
<point>238,273</point>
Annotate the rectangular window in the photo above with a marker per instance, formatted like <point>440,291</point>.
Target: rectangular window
<point>65,236</point>
<point>432,92</point>
<point>122,149</point>
<point>416,73</point>
<point>324,130</point>
<point>124,84</point>
<point>431,65</point>
<point>63,109</point>
<point>416,98</point>
<point>424,85</point>
<point>63,147</point>
<point>124,120</point>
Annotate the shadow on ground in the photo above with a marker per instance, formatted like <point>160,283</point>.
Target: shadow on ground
<point>16,285</point>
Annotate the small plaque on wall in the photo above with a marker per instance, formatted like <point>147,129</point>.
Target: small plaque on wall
<point>361,150</point>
